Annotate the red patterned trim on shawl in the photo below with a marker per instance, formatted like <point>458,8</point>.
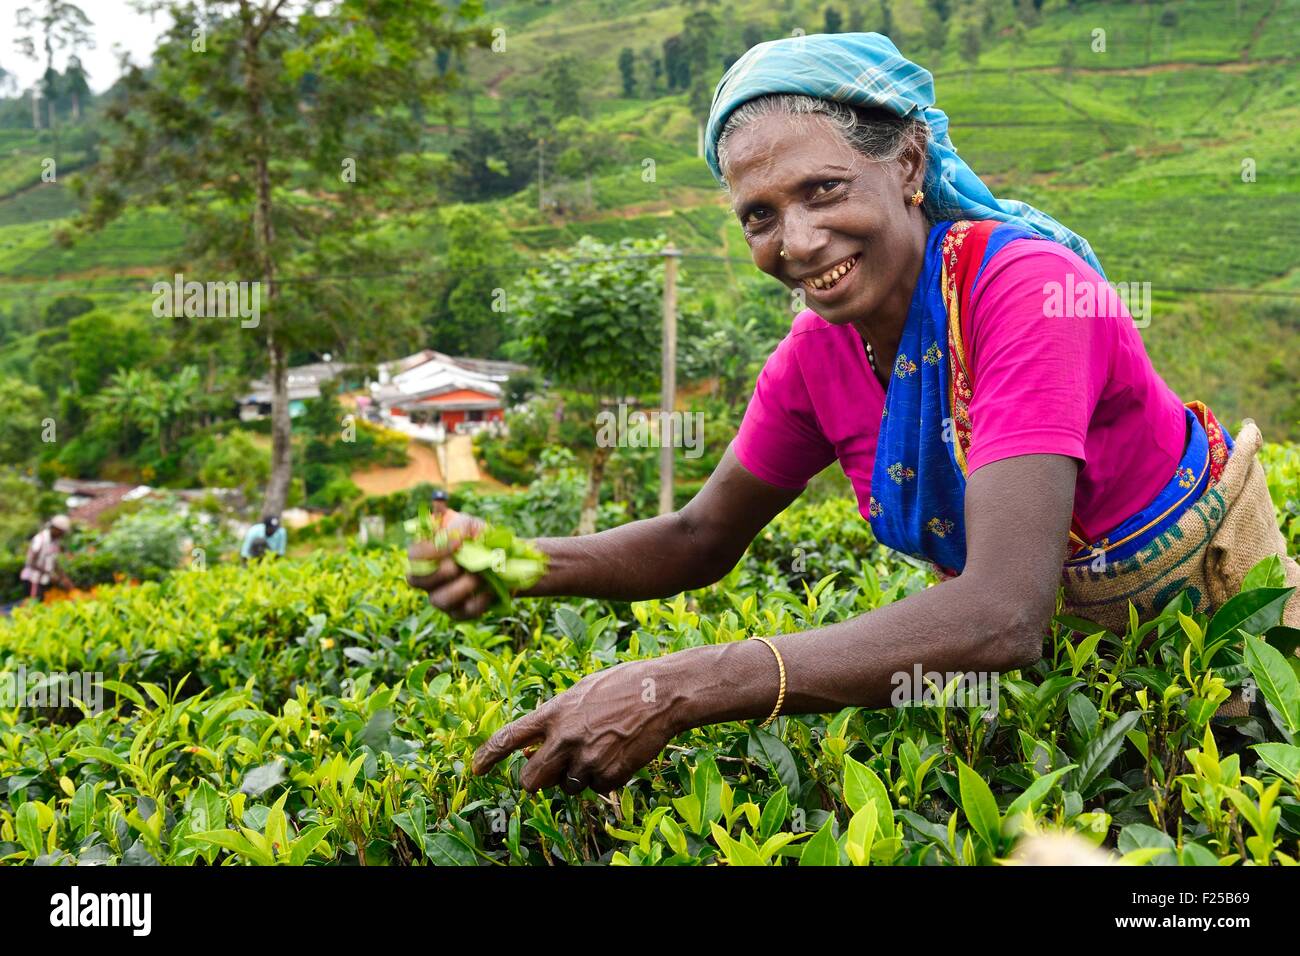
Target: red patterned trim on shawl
<point>1214,432</point>
<point>963,251</point>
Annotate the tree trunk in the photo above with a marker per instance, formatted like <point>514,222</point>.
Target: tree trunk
<point>599,458</point>
<point>50,95</point>
<point>211,384</point>
<point>277,489</point>
<point>36,109</point>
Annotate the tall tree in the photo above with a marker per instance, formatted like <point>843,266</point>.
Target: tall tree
<point>593,326</point>
<point>700,101</point>
<point>677,67</point>
<point>886,19</point>
<point>20,420</point>
<point>561,78</point>
<point>76,86</point>
<point>274,186</point>
<point>700,44</point>
<point>627,70</point>
<point>475,275</point>
<point>56,25</point>
<point>1015,42</point>
<point>969,37</point>
<point>936,31</point>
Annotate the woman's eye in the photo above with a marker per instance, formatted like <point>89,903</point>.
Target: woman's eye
<point>829,185</point>
<point>755,217</point>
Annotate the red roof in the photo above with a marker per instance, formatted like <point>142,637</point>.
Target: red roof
<point>458,397</point>
<point>89,512</point>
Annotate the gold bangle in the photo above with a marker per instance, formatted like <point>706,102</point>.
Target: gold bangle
<point>780,697</point>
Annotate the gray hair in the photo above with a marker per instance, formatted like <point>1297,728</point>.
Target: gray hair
<point>875,133</point>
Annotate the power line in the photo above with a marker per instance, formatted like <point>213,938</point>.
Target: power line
<point>528,264</point>
<point>522,266</point>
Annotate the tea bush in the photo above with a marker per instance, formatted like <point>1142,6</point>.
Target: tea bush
<point>319,711</point>
<point>1282,464</point>
<point>145,543</point>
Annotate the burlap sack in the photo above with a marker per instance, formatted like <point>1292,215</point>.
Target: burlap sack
<point>1207,553</point>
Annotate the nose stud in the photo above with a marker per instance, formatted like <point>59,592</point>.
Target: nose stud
<point>784,254</point>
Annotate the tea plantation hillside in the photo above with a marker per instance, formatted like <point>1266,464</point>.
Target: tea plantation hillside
<point>1166,143</point>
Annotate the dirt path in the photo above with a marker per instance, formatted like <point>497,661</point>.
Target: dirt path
<point>493,86</point>
<point>423,466</point>
<point>461,466</point>
<point>1167,66</point>
<point>1259,30</point>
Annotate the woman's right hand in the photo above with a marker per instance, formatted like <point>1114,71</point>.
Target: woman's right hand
<point>451,588</point>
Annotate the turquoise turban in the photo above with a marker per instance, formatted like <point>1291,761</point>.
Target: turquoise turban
<point>866,69</point>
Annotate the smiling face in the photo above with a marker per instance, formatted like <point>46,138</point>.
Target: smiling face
<point>853,243</point>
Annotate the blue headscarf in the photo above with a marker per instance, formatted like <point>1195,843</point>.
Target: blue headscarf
<point>866,69</point>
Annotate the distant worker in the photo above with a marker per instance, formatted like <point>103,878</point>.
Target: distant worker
<point>439,508</point>
<point>42,565</point>
<point>267,535</point>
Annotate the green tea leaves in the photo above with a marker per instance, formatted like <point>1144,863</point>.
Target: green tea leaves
<point>507,563</point>
<point>1276,680</point>
<point>979,806</point>
<point>822,849</point>
<point>776,756</point>
<point>1252,611</point>
<point>260,779</point>
<point>1102,750</point>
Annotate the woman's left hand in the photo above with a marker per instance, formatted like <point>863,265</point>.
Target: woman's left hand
<point>596,734</point>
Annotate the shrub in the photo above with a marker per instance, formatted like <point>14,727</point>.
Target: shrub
<point>12,589</point>
<point>236,461</point>
<point>505,463</point>
<point>1282,465</point>
<point>145,544</point>
<point>337,489</point>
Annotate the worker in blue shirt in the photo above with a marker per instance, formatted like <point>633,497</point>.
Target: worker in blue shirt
<point>267,535</point>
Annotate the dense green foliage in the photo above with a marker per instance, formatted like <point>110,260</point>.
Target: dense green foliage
<point>320,711</point>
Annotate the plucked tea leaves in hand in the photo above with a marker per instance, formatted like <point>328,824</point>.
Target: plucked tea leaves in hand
<point>507,563</point>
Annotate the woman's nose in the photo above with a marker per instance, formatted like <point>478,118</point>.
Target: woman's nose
<point>801,237</point>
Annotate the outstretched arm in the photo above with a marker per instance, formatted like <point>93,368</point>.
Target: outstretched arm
<point>654,557</point>
<point>991,618</point>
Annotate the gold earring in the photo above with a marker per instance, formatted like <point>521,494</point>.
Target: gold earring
<point>784,254</point>
<point>917,198</point>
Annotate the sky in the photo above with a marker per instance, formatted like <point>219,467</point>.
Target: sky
<point>114,23</point>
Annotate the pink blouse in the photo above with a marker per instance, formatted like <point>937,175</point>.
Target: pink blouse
<point>1080,385</point>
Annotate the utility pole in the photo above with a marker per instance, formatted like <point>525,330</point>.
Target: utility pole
<point>668,396</point>
<point>541,152</point>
